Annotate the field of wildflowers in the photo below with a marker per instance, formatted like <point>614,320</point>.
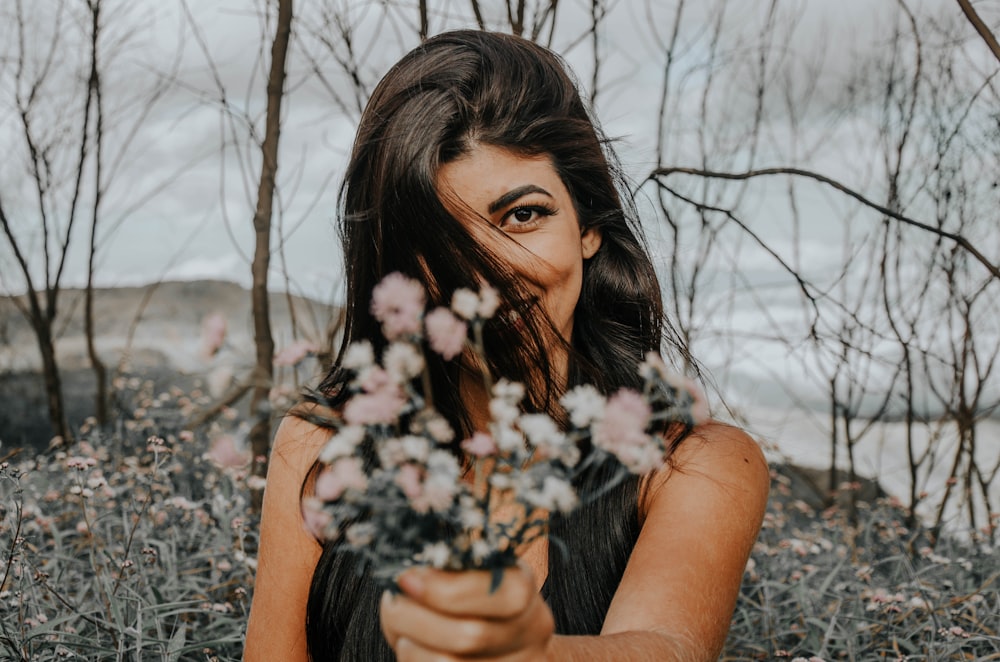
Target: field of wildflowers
<point>135,545</point>
<point>139,544</point>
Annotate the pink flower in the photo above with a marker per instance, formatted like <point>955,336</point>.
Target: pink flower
<point>622,431</point>
<point>409,480</point>
<point>398,302</point>
<point>213,334</point>
<point>479,445</point>
<point>225,454</point>
<point>381,400</point>
<point>626,410</point>
<point>295,353</point>
<point>376,379</point>
<point>344,474</point>
<point>314,518</point>
<point>445,332</point>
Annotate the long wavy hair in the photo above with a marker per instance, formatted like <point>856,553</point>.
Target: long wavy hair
<point>453,92</point>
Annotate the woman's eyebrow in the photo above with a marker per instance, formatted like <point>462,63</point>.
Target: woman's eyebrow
<point>514,194</point>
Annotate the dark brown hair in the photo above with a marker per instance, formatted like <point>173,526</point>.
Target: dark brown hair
<point>454,91</point>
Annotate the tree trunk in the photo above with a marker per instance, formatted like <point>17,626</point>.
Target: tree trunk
<point>53,381</point>
<point>100,371</point>
<point>260,410</point>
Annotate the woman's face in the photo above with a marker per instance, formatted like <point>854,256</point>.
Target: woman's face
<point>524,197</point>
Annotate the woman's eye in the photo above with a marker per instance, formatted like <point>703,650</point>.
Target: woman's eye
<point>523,214</point>
<point>520,217</point>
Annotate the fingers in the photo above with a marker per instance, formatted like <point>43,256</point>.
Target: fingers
<point>406,621</point>
<point>469,593</point>
<point>453,616</point>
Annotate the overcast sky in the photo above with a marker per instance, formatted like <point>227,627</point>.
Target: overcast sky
<point>180,203</point>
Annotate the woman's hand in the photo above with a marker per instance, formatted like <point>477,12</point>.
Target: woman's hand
<point>442,615</point>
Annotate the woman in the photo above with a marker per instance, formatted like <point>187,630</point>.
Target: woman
<point>476,161</point>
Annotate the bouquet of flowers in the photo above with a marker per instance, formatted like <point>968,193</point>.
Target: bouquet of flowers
<point>391,489</point>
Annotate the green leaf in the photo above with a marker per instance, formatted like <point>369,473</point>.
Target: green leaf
<point>177,642</point>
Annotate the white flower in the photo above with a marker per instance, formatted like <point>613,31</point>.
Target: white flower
<point>585,405</point>
<point>480,549</point>
<point>507,439</point>
<point>391,453</point>
<point>501,481</point>
<point>508,391</point>
<point>503,412</point>
<point>402,361</point>
<point>438,493</point>
<point>555,494</point>
<point>444,465</point>
<point>358,356</point>
<point>415,448</point>
<point>469,514</point>
<point>465,303</point>
<point>436,555</point>
<point>640,458</point>
<point>489,301</point>
<point>539,428</point>
<point>439,430</point>
<point>342,444</point>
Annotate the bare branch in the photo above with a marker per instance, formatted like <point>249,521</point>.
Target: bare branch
<point>981,27</point>
<point>799,172</point>
<point>477,10</point>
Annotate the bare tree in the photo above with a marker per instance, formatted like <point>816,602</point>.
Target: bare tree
<point>920,212</point>
<point>260,432</point>
<point>56,177</point>
<point>94,92</point>
<point>60,168</point>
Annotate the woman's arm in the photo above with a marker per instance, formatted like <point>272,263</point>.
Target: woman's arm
<point>287,553</point>
<point>683,577</point>
<point>675,600</point>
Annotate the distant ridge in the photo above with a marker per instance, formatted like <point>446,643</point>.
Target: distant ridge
<point>167,321</point>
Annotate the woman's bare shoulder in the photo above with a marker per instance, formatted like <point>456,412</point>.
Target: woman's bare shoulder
<point>715,440</point>
<point>299,440</point>
<point>720,453</point>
